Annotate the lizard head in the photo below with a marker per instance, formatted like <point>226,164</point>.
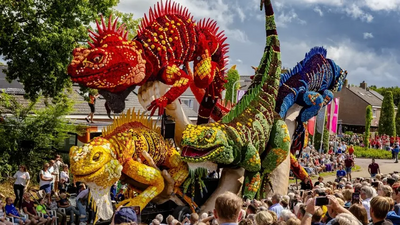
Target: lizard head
<point>208,142</point>
<point>111,62</point>
<point>95,163</point>
<point>339,76</point>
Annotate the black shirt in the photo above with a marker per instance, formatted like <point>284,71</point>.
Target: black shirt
<point>304,186</point>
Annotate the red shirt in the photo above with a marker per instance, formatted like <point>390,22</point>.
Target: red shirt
<point>351,151</point>
<point>348,162</point>
<point>29,206</point>
<point>374,168</point>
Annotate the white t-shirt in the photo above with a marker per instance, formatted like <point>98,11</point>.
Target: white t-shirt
<point>46,175</point>
<point>51,170</point>
<point>367,205</point>
<point>22,178</point>
<point>64,176</point>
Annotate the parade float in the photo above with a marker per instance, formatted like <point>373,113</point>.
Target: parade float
<point>166,39</point>
<point>251,142</point>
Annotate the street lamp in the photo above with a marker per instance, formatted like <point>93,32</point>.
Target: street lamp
<point>233,88</point>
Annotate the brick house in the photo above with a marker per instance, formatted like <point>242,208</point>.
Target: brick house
<point>352,109</point>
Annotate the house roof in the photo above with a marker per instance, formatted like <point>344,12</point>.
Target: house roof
<point>14,87</point>
<point>367,95</point>
<point>376,94</point>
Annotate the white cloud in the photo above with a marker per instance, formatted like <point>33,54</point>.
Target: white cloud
<point>388,5</point>
<point>283,19</point>
<point>357,13</point>
<point>368,35</point>
<point>218,10</point>
<point>239,61</point>
<point>319,11</point>
<point>240,13</point>
<point>365,64</point>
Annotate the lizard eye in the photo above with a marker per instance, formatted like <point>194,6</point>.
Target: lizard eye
<point>208,135</point>
<point>96,157</point>
<point>97,59</point>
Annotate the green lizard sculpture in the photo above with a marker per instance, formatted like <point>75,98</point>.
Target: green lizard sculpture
<point>252,135</point>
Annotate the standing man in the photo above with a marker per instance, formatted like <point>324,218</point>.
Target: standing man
<point>349,163</point>
<point>396,150</point>
<point>276,207</point>
<point>373,169</point>
<point>93,95</point>
<point>57,165</point>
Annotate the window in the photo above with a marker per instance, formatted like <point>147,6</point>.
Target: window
<point>188,102</point>
<point>373,113</point>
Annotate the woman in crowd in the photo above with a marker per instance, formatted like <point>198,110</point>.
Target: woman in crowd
<point>64,177</point>
<point>45,179</point>
<point>21,184</point>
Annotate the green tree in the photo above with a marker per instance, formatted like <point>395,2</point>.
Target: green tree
<point>387,123</point>
<point>30,136</point>
<point>398,119</point>
<point>382,90</point>
<point>368,119</point>
<point>37,38</point>
<point>233,76</point>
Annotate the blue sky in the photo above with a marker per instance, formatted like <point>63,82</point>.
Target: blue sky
<point>362,36</point>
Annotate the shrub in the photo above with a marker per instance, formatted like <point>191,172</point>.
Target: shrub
<point>372,153</point>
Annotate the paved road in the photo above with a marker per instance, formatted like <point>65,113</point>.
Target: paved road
<point>385,165</point>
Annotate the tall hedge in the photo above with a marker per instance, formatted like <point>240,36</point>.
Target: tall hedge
<point>368,119</point>
<point>387,123</point>
<point>398,119</point>
<point>232,77</point>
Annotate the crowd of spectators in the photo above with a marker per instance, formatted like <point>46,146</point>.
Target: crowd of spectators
<point>49,203</point>
<point>361,202</point>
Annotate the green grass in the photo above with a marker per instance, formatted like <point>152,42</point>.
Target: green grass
<point>326,174</point>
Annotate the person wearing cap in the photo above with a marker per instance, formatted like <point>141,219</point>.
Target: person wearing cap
<point>125,215</point>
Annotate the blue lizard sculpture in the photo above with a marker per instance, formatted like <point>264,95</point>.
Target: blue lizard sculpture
<point>310,84</point>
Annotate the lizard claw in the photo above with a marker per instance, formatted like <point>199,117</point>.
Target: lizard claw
<point>159,104</point>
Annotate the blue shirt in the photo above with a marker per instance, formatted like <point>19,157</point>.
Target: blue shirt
<point>10,209</point>
<point>396,149</point>
<point>277,208</point>
<point>341,173</point>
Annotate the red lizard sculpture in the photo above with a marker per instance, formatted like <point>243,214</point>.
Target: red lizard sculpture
<point>166,40</point>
